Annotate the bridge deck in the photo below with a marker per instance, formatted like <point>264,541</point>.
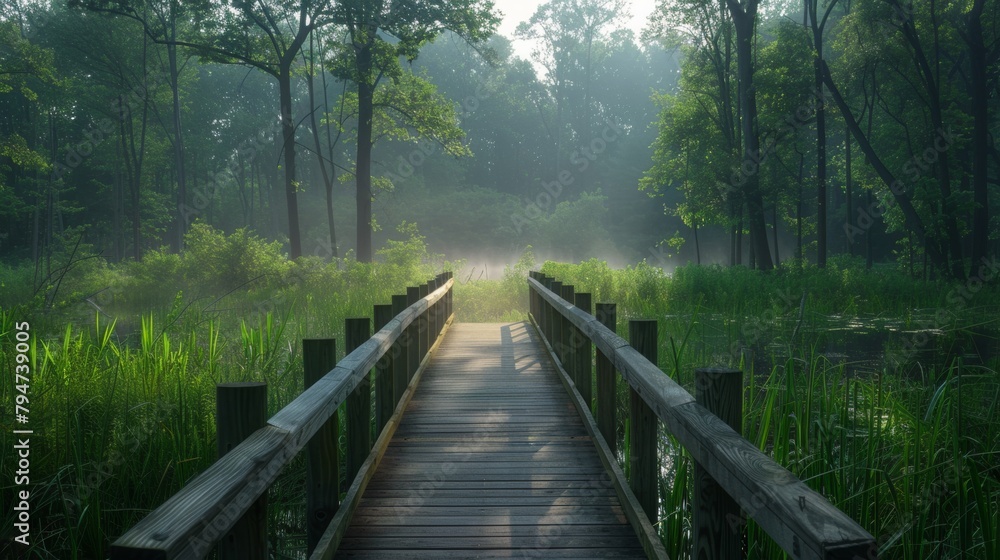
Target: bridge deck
<point>491,460</point>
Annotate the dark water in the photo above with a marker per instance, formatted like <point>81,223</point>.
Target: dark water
<point>863,346</point>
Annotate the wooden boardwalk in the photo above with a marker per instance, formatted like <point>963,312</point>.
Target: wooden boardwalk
<point>490,460</point>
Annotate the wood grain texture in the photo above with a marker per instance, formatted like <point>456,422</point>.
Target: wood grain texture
<point>800,520</point>
<point>334,533</point>
<point>241,410</point>
<point>715,516</point>
<point>490,460</point>
<point>322,462</point>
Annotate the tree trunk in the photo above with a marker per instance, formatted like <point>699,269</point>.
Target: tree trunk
<point>911,218</point>
<point>820,168</point>
<point>821,184</point>
<point>744,22</point>
<point>952,244</point>
<point>288,133</point>
<point>849,185</point>
<point>980,141</point>
<point>697,246</point>
<point>868,241</point>
<point>181,226</point>
<point>366,111</point>
<point>327,180</point>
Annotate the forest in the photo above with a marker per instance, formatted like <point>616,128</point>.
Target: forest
<point>126,123</point>
<point>805,190</point>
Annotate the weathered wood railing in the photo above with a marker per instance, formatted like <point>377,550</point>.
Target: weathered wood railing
<point>730,472</point>
<point>225,504</point>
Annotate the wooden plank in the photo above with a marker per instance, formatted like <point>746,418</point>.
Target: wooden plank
<point>800,520</point>
<point>607,391</point>
<point>715,516</point>
<point>648,536</point>
<point>604,516</point>
<point>192,520</point>
<point>537,541</point>
<point>618,530</point>
<point>482,480</point>
<point>400,360</point>
<point>429,554</point>
<point>328,543</point>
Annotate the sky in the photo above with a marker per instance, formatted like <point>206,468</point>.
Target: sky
<point>516,11</point>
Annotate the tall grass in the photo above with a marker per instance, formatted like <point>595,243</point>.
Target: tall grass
<point>125,367</point>
<point>912,458</point>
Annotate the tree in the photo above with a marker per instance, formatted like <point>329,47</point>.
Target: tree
<point>906,52</point>
<point>817,24</point>
<point>367,57</point>
<point>566,32</point>
<point>744,14</point>
<point>159,19</point>
<point>983,68</point>
<point>700,124</point>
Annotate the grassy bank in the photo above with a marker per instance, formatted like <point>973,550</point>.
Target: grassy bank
<point>125,360</point>
<point>912,458</point>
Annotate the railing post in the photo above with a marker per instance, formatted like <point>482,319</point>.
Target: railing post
<point>319,356</point>
<point>384,404</point>
<point>451,296</point>
<point>359,443</point>
<point>412,337</point>
<point>566,354</point>
<point>422,291</point>
<point>607,392</point>
<point>547,311</point>
<point>533,299</point>
<point>716,516</point>
<point>400,360</point>
<point>436,310</point>
<point>555,325</point>
<point>584,369</point>
<point>240,410</point>
<point>643,461</point>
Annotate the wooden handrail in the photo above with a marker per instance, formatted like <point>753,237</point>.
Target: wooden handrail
<point>800,520</point>
<point>189,523</point>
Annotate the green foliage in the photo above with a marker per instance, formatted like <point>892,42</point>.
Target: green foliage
<point>223,263</point>
<point>496,300</point>
<point>123,396</point>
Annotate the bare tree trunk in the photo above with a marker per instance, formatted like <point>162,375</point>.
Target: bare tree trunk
<point>980,140</point>
<point>327,180</point>
<point>821,186</point>
<point>181,219</point>
<point>366,111</point>
<point>288,133</point>
<point>744,20</point>
<point>849,185</point>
